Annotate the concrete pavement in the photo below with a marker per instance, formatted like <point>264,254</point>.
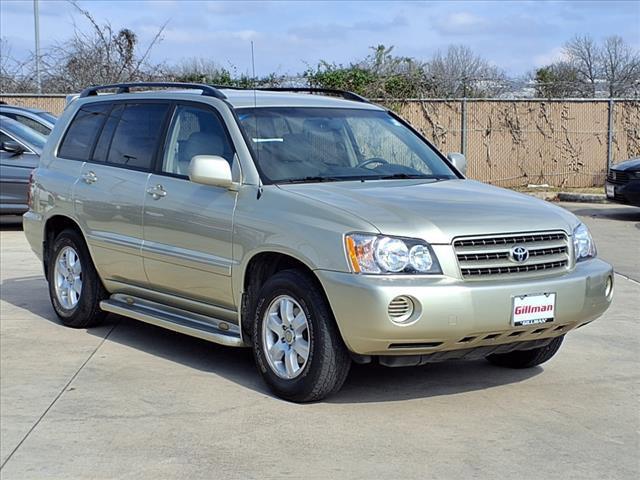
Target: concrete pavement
<point>129,400</point>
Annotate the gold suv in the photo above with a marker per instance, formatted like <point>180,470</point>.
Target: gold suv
<point>310,225</point>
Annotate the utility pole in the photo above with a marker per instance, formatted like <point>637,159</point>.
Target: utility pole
<point>36,22</point>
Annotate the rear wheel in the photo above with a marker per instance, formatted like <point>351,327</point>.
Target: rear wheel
<point>75,289</point>
<point>527,358</point>
<point>296,344</point>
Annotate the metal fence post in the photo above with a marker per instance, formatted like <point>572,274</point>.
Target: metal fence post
<point>610,127</point>
<point>463,127</point>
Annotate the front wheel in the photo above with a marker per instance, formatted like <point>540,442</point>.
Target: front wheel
<point>527,358</point>
<point>296,345</point>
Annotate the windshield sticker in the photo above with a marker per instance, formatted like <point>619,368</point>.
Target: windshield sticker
<point>264,140</point>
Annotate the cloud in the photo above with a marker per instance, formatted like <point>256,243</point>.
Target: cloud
<point>341,31</point>
<point>290,35</point>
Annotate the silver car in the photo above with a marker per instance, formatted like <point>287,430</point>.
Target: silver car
<point>313,226</point>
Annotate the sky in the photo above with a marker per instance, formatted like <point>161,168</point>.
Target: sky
<point>517,36</point>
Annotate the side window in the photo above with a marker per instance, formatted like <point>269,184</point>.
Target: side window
<point>4,137</point>
<point>101,151</point>
<point>136,135</point>
<point>82,133</point>
<point>32,124</point>
<point>194,131</point>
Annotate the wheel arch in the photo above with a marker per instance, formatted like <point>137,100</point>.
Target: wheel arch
<point>259,268</point>
<point>52,228</point>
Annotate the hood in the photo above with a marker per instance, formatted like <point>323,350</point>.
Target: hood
<point>628,166</point>
<point>438,211</point>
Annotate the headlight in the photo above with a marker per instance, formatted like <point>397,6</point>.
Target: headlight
<point>583,245</point>
<point>381,254</point>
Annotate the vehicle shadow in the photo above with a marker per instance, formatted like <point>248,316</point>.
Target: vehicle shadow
<point>366,383</point>
<point>621,213</point>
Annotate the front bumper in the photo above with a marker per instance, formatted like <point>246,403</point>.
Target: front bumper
<point>455,314</point>
<point>628,193</point>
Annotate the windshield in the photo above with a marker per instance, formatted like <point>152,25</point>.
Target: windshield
<point>25,134</point>
<point>332,144</point>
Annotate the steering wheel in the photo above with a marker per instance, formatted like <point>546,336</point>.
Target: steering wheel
<point>371,160</point>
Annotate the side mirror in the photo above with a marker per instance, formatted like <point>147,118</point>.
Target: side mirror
<point>210,170</point>
<point>12,146</point>
<point>459,161</point>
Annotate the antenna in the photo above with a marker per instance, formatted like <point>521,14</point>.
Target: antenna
<point>255,116</point>
<point>253,68</point>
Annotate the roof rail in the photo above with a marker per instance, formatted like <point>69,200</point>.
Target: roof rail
<point>207,90</point>
<point>343,93</point>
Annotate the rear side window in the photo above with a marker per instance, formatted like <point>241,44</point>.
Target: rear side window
<point>82,133</point>
<point>104,142</point>
<point>38,127</point>
<point>136,136</point>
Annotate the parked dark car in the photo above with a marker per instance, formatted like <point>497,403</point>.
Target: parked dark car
<point>39,120</point>
<point>623,182</point>
<point>20,149</point>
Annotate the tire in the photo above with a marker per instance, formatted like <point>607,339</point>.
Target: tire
<point>327,363</point>
<point>527,358</point>
<point>78,309</point>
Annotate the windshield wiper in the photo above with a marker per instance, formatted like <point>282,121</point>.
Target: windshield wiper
<point>309,179</point>
<point>410,176</point>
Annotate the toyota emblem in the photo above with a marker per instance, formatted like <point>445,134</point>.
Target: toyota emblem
<point>519,254</point>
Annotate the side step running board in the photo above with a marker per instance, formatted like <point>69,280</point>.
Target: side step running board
<point>189,323</point>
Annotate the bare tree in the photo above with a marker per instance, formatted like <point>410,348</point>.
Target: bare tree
<point>98,56</point>
<point>583,54</point>
<point>620,67</point>
<point>198,69</point>
<point>461,73</point>
<point>15,76</point>
<point>613,65</point>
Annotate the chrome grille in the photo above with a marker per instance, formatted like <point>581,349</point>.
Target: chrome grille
<point>488,256</point>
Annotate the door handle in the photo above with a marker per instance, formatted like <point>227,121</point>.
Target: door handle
<point>157,192</point>
<point>90,177</point>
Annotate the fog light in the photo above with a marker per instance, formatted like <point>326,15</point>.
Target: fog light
<point>608,289</point>
<point>401,309</point>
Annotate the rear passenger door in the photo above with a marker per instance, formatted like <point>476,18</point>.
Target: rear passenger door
<point>110,192</point>
<point>188,226</point>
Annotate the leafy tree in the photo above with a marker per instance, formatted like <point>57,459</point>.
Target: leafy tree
<point>558,80</point>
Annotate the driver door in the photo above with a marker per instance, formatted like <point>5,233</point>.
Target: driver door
<point>187,226</point>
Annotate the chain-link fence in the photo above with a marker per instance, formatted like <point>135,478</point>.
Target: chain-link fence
<point>563,143</point>
<point>53,103</point>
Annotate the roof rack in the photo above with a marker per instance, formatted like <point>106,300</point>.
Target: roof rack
<point>207,90</point>
<point>343,93</point>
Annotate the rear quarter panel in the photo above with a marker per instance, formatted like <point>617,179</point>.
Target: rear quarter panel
<point>53,184</point>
